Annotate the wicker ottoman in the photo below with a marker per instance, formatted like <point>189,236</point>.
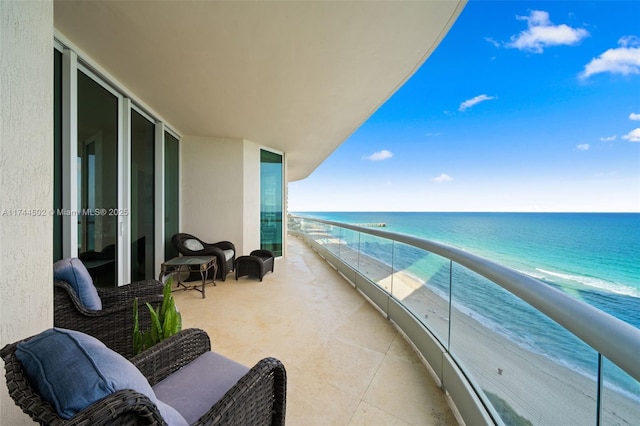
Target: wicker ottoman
<point>258,263</point>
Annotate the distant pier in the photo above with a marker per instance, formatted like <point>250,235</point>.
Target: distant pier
<point>372,225</point>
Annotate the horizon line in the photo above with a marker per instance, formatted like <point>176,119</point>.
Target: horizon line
<point>464,211</point>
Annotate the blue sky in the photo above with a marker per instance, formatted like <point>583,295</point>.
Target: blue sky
<point>524,106</point>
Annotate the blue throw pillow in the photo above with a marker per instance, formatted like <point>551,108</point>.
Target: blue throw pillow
<point>72,370</point>
<point>73,271</point>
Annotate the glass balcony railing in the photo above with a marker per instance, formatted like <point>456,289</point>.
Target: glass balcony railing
<point>508,348</point>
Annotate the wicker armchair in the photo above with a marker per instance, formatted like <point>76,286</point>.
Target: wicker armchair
<point>113,324</point>
<point>258,398</point>
<point>226,264</point>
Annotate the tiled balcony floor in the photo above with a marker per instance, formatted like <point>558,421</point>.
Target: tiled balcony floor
<point>346,364</point>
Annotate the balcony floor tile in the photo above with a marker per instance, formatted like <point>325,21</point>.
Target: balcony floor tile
<point>346,364</point>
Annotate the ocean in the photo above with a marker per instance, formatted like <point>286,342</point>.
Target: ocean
<point>594,257</point>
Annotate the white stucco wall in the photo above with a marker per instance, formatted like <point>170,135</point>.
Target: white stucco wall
<point>215,176</point>
<point>26,177</point>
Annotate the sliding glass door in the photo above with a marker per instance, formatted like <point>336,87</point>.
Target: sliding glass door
<point>57,155</point>
<point>97,180</point>
<point>110,208</point>
<point>142,197</point>
<point>171,194</point>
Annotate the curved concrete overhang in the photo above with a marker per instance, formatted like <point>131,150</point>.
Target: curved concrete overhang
<point>299,77</point>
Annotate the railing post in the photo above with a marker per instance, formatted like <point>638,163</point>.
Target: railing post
<point>393,268</point>
<point>450,305</point>
<point>393,247</point>
<point>359,249</point>
<point>599,392</point>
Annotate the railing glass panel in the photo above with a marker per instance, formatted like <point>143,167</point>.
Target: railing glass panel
<point>620,404</point>
<point>519,358</point>
<point>350,247</point>
<point>332,240</point>
<point>421,282</point>
<point>376,260</point>
<point>319,232</point>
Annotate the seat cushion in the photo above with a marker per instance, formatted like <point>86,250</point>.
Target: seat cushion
<point>228,254</point>
<point>72,370</point>
<point>73,271</point>
<point>193,244</point>
<point>195,388</point>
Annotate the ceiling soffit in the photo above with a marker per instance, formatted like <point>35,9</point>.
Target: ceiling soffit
<point>299,77</point>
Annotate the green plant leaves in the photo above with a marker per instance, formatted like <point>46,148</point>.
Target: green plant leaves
<point>164,323</point>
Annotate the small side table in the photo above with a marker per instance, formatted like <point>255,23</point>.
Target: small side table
<point>190,263</point>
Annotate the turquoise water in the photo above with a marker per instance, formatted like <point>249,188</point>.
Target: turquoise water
<point>590,256</point>
<point>587,255</point>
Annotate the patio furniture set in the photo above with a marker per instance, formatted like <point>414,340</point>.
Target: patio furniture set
<point>84,372</point>
<point>199,257</point>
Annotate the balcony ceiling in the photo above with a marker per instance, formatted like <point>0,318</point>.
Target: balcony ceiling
<point>299,77</point>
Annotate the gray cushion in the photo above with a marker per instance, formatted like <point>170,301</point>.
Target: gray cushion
<point>195,388</point>
<point>228,254</point>
<point>193,245</point>
<point>73,271</point>
<point>72,370</point>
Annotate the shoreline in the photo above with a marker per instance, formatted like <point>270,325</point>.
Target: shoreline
<point>535,386</point>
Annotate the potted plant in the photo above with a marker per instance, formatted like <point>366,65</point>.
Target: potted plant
<point>164,323</point>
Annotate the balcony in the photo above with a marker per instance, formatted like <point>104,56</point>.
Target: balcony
<point>507,348</point>
<point>346,364</point>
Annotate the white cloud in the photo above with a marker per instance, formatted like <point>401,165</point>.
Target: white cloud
<point>492,41</point>
<point>633,136</point>
<point>379,156</point>
<point>442,178</point>
<point>608,138</point>
<point>542,33</point>
<point>629,41</point>
<point>623,60</point>
<point>583,147</point>
<point>635,117</point>
<point>473,101</point>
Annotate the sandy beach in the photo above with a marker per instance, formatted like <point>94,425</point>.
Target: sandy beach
<point>537,388</point>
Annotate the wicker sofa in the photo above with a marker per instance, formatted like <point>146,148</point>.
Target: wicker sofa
<point>257,398</point>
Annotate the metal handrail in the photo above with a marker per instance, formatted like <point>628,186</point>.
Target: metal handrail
<point>615,339</point>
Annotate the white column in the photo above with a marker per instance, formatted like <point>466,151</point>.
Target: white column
<point>26,178</point>
<point>124,194</point>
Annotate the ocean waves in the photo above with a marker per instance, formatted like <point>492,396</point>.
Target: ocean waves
<point>593,283</point>
<point>590,282</point>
